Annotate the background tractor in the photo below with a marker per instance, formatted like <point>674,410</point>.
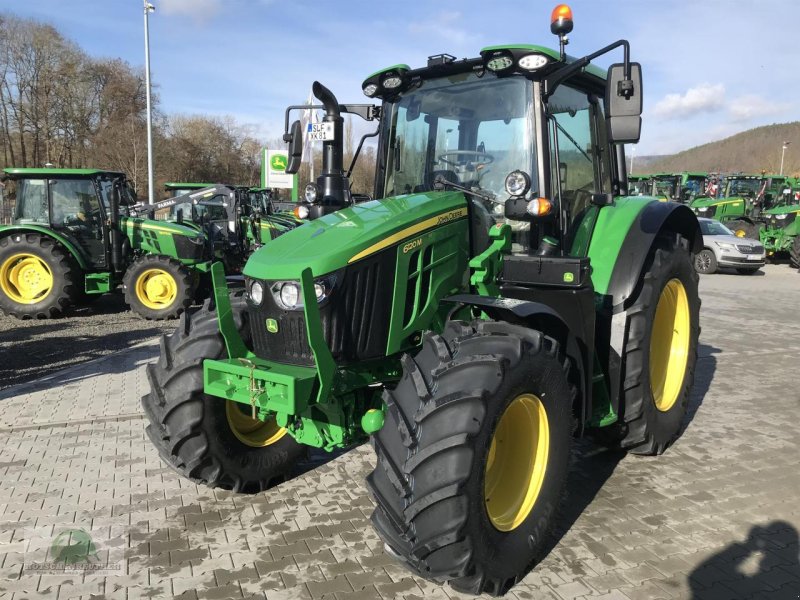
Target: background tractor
<point>497,299</point>
<point>781,232</point>
<point>73,237</point>
<point>679,187</point>
<point>744,199</point>
<point>235,220</point>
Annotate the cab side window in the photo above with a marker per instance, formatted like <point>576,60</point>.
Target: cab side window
<point>32,201</point>
<point>579,160</point>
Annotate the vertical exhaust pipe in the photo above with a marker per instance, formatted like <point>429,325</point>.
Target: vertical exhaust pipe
<point>332,185</point>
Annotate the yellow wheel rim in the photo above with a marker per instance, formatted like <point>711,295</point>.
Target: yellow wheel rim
<point>156,289</point>
<point>517,462</point>
<point>252,432</point>
<point>26,278</point>
<point>740,233</point>
<point>669,345</point>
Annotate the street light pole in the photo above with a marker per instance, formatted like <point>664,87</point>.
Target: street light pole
<point>783,153</point>
<point>148,8</point>
<point>633,156</point>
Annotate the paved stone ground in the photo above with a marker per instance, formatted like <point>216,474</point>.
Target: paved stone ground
<point>717,517</point>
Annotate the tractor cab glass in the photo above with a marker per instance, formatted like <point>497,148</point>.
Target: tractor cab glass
<point>667,187</point>
<point>76,212</point>
<point>746,188</point>
<point>31,202</point>
<point>694,187</point>
<point>470,130</point>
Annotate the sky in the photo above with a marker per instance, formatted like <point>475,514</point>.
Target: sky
<point>711,68</point>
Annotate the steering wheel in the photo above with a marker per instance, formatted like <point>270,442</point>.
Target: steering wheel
<point>486,159</point>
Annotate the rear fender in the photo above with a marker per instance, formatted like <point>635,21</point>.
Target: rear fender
<point>44,231</point>
<point>535,315</point>
<point>616,292</point>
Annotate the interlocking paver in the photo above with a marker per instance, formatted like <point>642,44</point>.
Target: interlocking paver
<point>715,517</point>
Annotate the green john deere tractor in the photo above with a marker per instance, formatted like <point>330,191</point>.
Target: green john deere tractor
<point>73,237</point>
<point>679,187</point>
<point>640,185</point>
<point>495,300</point>
<point>781,232</point>
<point>744,199</point>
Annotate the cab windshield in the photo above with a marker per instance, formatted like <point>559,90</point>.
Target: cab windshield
<point>747,188</point>
<point>467,129</point>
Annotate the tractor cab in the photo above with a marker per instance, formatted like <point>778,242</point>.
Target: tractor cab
<point>75,203</point>
<point>173,189</point>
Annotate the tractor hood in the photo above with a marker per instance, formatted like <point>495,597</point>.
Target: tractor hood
<point>138,224</point>
<point>348,235</point>
<point>782,210</point>
<point>706,201</point>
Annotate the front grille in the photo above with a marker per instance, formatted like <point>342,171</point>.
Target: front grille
<point>750,249</point>
<point>355,319</point>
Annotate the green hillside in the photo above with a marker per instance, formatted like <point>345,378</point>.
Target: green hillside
<point>749,151</point>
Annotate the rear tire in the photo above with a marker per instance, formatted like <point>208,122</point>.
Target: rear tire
<point>444,424</point>
<point>705,262</point>
<point>38,278</point>
<point>794,252</point>
<point>192,431</point>
<point>158,287</point>
<point>661,350</point>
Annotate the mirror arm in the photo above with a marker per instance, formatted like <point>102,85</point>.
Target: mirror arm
<point>358,150</point>
<point>368,112</point>
<point>557,78</point>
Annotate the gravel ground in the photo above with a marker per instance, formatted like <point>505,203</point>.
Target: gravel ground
<point>30,349</point>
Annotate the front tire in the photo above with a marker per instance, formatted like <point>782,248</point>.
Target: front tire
<point>474,454</point>
<point>38,278</point>
<point>705,262</point>
<point>661,350</point>
<point>158,287</point>
<point>204,438</point>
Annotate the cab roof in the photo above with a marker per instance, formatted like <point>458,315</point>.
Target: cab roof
<point>23,172</point>
<point>172,185</point>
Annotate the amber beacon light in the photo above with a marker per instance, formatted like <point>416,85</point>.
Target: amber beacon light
<point>561,20</point>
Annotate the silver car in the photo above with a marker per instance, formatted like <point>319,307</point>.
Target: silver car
<point>723,249</point>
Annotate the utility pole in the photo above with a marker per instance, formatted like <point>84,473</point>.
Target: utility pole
<point>783,153</point>
<point>148,8</point>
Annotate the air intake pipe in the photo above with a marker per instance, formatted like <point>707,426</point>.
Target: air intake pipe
<point>333,186</point>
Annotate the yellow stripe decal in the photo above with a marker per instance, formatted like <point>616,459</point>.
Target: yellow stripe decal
<point>441,219</point>
<point>728,202</point>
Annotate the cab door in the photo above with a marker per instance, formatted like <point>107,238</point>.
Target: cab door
<point>76,213</point>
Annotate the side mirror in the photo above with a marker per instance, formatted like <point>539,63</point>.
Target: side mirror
<point>295,139</point>
<point>179,216</point>
<point>624,104</point>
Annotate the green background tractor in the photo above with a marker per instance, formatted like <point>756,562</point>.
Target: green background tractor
<point>679,187</point>
<point>497,299</point>
<point>744,199</point>
<point>73,238</point>
<point>781,232</point>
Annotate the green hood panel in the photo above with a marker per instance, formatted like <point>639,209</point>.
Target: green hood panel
<point>165,227</point>
<point>706,201</point>
<point>331,242</point>
<point>781,210</point>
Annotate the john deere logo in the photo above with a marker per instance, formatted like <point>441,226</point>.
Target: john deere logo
<point>277,162</point>
<point>272,326</point>
<point>569,277</point>
<point>72,547</point>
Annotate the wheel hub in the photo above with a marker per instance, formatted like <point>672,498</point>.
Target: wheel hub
<point>25,278</point>
<point>516,462</point>
<point>156,289</point>
<point>669,345</point>
<point>252,432</point>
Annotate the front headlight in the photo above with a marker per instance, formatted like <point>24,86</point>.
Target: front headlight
<point>702,209</point>
<point>257,293</point>
<point>724,246</point>
<point>780,217</point>
<point>287,294</point>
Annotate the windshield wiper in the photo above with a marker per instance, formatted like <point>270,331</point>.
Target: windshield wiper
<point>441,182</point>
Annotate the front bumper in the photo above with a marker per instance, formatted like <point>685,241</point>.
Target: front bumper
<point>751,260</point>
<point>270,387</point>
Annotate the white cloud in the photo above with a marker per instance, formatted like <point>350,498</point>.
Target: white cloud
<point>745,108</point>
<point>702,98</point>
<point>444,24</point>
<point>199,10</point>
